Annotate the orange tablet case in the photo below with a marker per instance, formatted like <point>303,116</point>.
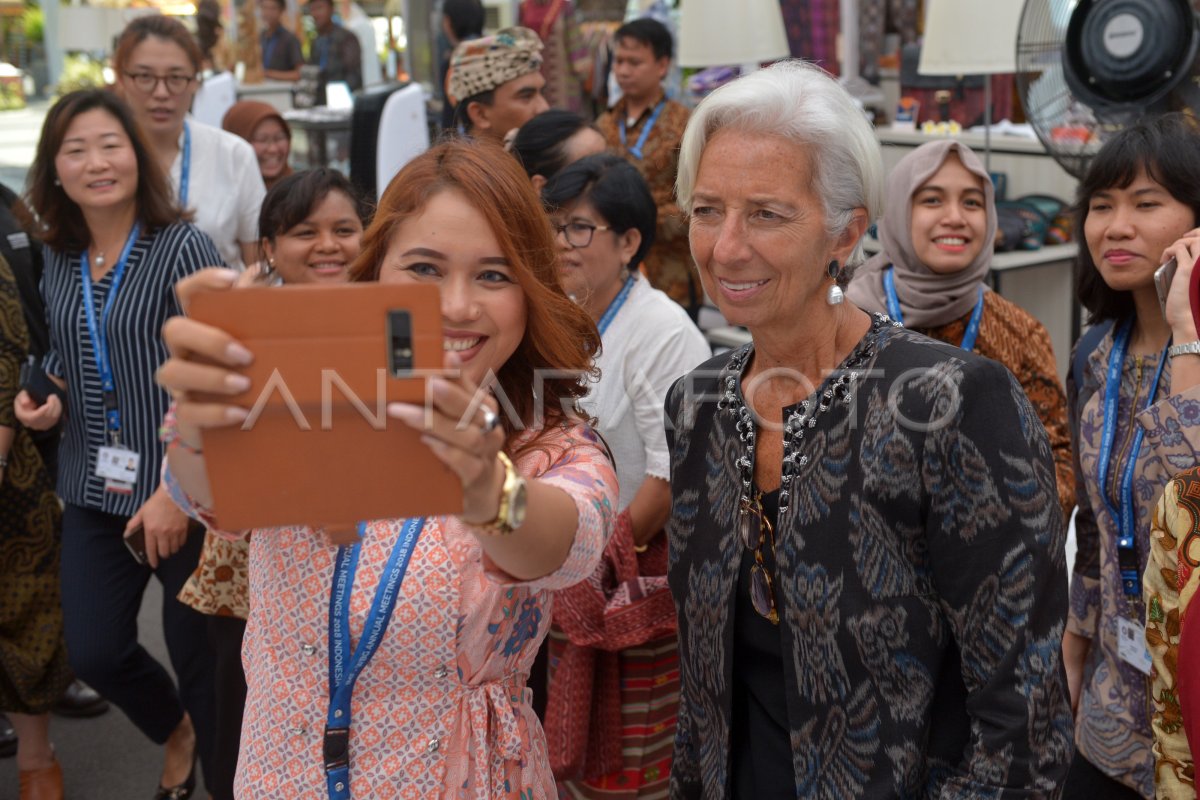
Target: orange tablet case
<point>318,448</point>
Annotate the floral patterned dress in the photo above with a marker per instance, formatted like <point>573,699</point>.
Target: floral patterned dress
<point>442,709</point>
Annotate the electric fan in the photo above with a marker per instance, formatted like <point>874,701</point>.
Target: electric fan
<point>1088,68</point>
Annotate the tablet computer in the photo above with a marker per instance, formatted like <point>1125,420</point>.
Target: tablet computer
<point>318,448</point>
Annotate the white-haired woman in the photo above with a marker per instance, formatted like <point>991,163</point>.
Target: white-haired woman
<point>867,552</point>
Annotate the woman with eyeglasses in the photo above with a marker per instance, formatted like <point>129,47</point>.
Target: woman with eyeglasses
<point>613,649</point>
<point>215,174</point>
<point>116,244</point>
<point>866,545</point>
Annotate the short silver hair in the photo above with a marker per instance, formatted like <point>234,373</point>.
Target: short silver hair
<point>803,104</point>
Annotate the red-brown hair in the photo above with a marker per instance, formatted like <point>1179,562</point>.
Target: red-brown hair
<point>559,335</point>
<point>162,27</point>
<point>64,227</point>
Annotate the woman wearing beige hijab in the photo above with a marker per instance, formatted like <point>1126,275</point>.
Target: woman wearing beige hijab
<point>937,236</point>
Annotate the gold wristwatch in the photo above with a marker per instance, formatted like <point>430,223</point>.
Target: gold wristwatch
<point>514,496</point>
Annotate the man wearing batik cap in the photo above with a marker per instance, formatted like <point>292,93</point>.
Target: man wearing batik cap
<point>497,82</point>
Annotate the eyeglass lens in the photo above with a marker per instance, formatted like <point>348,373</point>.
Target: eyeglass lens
<point>577,234</point>
<point>148,81</point>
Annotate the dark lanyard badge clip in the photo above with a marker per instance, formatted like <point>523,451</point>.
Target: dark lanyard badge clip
<point>336,748</point>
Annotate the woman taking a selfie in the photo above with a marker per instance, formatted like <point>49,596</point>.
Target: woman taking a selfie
<point>441,708</point>
<point>214,173</point>
<point>115,247</point>
<point>937,234</point>
<point>311,226</point>
<point>1133,393</point>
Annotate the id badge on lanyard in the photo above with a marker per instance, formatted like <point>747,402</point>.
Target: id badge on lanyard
<point>1131,633</point>
<point>115,463</point>
<point>1131,645</point>
<point>119,468</point>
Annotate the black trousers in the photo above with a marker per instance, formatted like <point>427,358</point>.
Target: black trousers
<point>1085,781</point>
<point>225,634</point>
<point>102,587</point>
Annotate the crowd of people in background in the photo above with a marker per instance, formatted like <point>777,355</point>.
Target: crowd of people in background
<point>829,563</point>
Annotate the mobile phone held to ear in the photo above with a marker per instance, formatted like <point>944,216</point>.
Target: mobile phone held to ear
<point>135,541</point>
<point>1163,276</point>
<point>318,448</point>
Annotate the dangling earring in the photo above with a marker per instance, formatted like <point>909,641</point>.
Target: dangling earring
<point>835,295</point>
<point>57,182</point>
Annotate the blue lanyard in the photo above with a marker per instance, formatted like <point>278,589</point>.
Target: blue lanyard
<point>336,749</point>
<point>185,167</point>
<point>636,150</point>
<point>893,308</point>
<point>269,48</point>
<point>96,331</point>
<point>610,313</point>
<point>1127,558</point>
<point>323,49</point>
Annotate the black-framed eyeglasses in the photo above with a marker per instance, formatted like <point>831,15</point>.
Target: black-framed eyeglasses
<point>147,81</point>
<point>578,234</point>
<point>755,529</point>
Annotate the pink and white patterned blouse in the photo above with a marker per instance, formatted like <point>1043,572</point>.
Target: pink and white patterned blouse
<point>442,709</point>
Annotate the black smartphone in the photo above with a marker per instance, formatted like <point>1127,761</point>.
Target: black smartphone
<point>36,383</point>
<point>135,541</point>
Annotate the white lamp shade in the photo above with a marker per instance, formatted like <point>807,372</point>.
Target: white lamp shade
<point>720,33</point>
<point>970,37</point>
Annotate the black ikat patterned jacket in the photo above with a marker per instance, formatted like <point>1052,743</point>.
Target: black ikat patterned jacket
<point>922,584</point>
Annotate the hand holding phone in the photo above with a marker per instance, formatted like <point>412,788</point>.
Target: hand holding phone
<point>1163,276</point>
<point>35,381</point>
<point>135,541</point>
<point>1182,310</point>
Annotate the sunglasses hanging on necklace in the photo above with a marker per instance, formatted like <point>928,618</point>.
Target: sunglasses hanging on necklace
<point>752,522</point>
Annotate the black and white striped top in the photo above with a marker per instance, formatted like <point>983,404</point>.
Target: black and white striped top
<point>145,300</point>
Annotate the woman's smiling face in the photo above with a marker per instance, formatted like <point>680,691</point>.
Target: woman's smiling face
<point>450,244</point>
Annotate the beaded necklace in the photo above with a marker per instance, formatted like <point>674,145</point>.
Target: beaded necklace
<point>840,388</point>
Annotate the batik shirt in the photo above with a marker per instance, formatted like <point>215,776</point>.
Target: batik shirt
<point>1169,585</point>
<point>920,582</point>
<point>668,265</point>
<point>1113,720</point>
<point>339,56</point>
